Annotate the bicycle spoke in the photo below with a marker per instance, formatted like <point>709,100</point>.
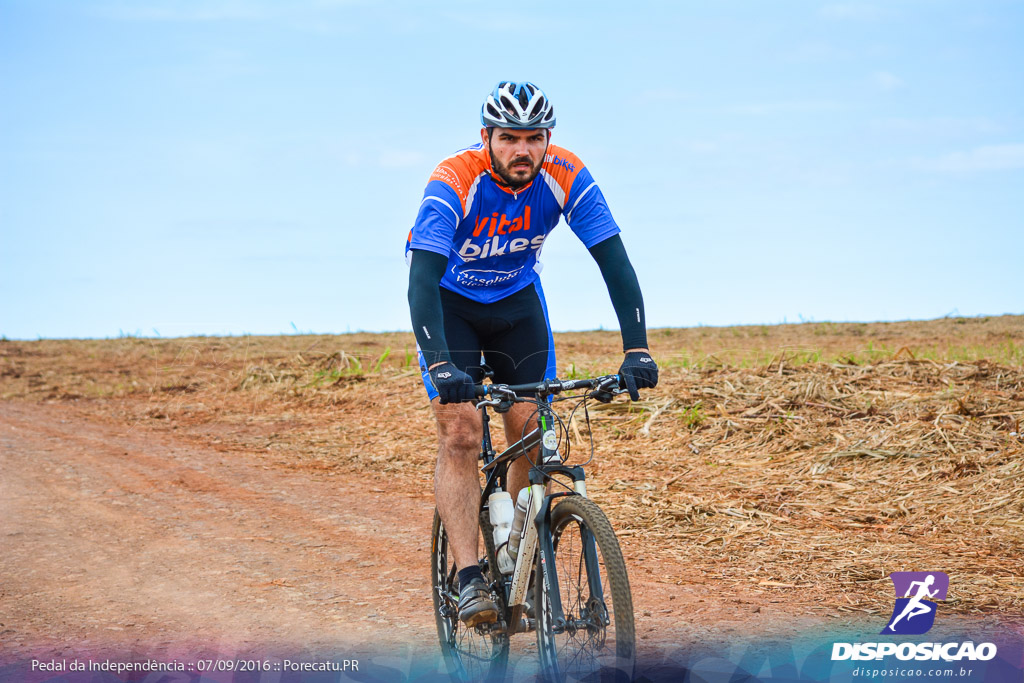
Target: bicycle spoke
<point>587,647</point>
<point>471,655</point>
<point>586,575</point>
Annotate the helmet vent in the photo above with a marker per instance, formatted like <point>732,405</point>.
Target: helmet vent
<point>517,105</point>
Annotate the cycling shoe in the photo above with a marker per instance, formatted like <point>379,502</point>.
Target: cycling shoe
<point>475,604</point>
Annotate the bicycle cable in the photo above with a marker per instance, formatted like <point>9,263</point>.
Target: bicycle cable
<point>590,432</point>
<point>522,436</point>
<point>563,429</point>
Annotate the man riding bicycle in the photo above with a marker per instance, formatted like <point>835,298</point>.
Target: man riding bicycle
<point>475,294</point>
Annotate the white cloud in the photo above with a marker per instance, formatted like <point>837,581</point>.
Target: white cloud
<point>306,15</point>
<point>399,159</point>
<point>984,158</point>
<point>887,81</point>
<point>187,11</point>
<point>667,94</point>
<point>852,11</point>
<point>478,17</point>
<point>938,126</point>
<point>701,146</point>
<point>785,107</point>
<point>817,51</point>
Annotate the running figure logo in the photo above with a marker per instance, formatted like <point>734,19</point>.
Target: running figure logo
<point>916,596</point>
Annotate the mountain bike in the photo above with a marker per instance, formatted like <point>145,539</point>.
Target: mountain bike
<point>569,583</point>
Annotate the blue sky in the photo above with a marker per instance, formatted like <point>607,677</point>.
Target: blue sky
<point>222,167</point>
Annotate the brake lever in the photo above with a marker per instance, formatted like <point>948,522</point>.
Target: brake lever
<point>606,390</point>
<point>488,402</point>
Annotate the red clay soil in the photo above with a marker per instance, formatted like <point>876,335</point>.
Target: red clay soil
<point>133,540</point>
<point>128,538</point>
<point>174,498</point>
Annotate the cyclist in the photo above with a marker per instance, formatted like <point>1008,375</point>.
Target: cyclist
<point>474,295</point>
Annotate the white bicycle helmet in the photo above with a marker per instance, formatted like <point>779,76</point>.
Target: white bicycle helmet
<point>517,105</point>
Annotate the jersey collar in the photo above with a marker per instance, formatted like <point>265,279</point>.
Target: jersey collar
<point>503,186</point>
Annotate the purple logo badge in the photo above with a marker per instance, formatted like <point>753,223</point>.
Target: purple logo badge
<point>916,596</point>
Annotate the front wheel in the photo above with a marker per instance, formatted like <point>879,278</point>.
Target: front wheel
<point>594,639</point>
<point>471,654</point>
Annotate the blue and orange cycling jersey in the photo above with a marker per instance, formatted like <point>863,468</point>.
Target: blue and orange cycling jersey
<point>493,236</point>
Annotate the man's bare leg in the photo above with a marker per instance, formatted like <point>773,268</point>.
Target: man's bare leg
<point>457,478</point>
<point>515,421</point>
<point>518,423</point>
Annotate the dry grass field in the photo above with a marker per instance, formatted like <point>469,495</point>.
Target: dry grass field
<point>798,463</point>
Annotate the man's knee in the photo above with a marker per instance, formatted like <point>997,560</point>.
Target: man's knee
<point>458,432</point>
<point>517,421</point>
<point>459,442</point>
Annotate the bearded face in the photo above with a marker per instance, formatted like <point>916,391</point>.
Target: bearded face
<point>516,155</point>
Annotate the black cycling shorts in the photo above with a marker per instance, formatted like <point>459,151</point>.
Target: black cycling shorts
<point>512,336</point>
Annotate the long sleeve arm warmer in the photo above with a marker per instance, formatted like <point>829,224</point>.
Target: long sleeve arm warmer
<point>624,290</point>
<point>425,273</point>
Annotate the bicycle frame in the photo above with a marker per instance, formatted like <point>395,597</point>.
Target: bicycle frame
<point>536,536</point>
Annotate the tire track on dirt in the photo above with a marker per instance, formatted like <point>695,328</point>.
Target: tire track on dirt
<point>137,538</point>
<point>119,538</point>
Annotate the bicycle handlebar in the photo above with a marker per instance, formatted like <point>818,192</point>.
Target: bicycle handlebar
<point>549,386</point>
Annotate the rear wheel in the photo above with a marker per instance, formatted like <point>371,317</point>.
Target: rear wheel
<point>471,654</point>
<point>595,640</point>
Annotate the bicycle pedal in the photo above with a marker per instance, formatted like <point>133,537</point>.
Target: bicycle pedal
<point>526,624</point>
<point>490,627</point>
<point>499,627</point>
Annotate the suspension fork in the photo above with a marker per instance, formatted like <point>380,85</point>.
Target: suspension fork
<point>546,546</point>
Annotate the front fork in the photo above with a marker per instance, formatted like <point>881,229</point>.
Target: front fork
<point>539,540</point>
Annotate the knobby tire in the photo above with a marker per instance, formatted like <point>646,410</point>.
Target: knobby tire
<point>588,649</point>
<point>469,654</point>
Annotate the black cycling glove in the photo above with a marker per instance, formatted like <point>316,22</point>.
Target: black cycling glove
<point>452,384</point>
<point>638,371</point>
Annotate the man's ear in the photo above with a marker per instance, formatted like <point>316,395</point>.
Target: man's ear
<point>484,136</point>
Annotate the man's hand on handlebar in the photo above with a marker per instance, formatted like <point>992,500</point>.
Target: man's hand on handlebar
<point>603,388</point>
<point>638,371</point>
<point>452,384</point>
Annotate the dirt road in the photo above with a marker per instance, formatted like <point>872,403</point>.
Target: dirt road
<point>119,538</point>
<point>131,540</point>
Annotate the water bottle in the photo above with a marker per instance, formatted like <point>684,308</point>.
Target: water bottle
<point>499,504</point>
<point>519,523</point>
